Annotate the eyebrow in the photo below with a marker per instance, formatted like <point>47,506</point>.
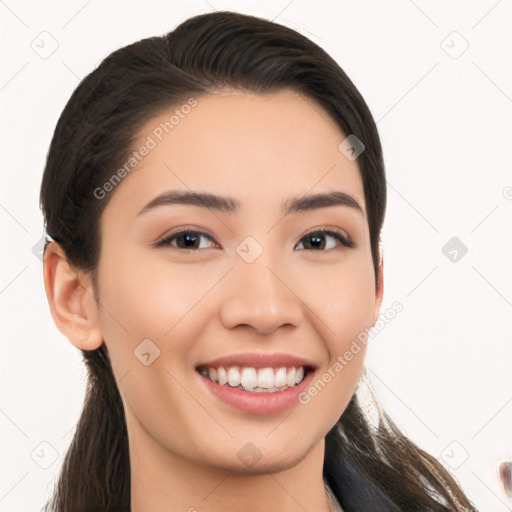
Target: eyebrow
<point>230,205</point>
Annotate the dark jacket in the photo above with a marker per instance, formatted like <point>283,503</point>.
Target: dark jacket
<point>357,492</point>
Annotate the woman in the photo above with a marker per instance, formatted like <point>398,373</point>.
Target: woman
<point>213,200</point>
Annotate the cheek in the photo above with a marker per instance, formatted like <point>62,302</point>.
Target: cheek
<point>345,300</point>
<point>148,298</point>
<point>137,294</point>
<point>345,304</point>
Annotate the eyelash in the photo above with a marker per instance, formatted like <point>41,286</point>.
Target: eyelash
<point>166,241</point>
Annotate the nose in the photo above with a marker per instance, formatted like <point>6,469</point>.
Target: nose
<point>261,298</point>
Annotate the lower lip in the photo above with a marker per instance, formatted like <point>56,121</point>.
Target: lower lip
<point>259,403</point>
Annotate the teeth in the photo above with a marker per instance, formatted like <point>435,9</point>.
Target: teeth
<point>234,377</point>
<point>266,378</point>
<point>223,376</point>
<point>252,379</point>
<point>280,378</point>
<point>290,377</point>
<point>212,373</point>
<point>299,375</point>
<point>249,378</point>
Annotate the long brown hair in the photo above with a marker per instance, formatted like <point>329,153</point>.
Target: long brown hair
<point>96,133</point>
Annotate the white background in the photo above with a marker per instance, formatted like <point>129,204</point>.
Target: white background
<point>442,367</point>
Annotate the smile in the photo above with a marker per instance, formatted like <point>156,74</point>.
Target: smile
<point>260,380</point>
<point>240,386</point>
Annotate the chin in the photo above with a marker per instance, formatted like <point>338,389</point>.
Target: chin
<point>267,464</point>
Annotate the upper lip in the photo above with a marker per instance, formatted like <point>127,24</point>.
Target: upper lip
<point>259,360</point>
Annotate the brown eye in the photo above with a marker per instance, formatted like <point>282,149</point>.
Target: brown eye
<point>316,240</point>
<point>185,240</point>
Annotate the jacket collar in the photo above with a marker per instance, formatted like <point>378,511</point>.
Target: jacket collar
<point>356,492</point>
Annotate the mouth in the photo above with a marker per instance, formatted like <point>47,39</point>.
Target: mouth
<point>257,383</point>
<point>256,390</point>
<point>258,380</point>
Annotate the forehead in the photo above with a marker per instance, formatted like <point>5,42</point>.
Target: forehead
<point>257,148</point>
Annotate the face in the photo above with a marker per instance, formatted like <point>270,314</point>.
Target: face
<point>248,285</point>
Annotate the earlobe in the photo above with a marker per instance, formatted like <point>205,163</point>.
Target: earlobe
<point>379,290</point>
<point>71,298</point>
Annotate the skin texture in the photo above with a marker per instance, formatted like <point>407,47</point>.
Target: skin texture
<point>209,302</point>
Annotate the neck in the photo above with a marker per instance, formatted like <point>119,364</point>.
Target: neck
<point>162,481</point>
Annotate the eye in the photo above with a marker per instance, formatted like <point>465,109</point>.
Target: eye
<point>186,239</point>
<point>316,239</point>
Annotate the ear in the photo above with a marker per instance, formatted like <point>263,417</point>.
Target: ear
<point>379,290</point>
<point>72,299</point>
